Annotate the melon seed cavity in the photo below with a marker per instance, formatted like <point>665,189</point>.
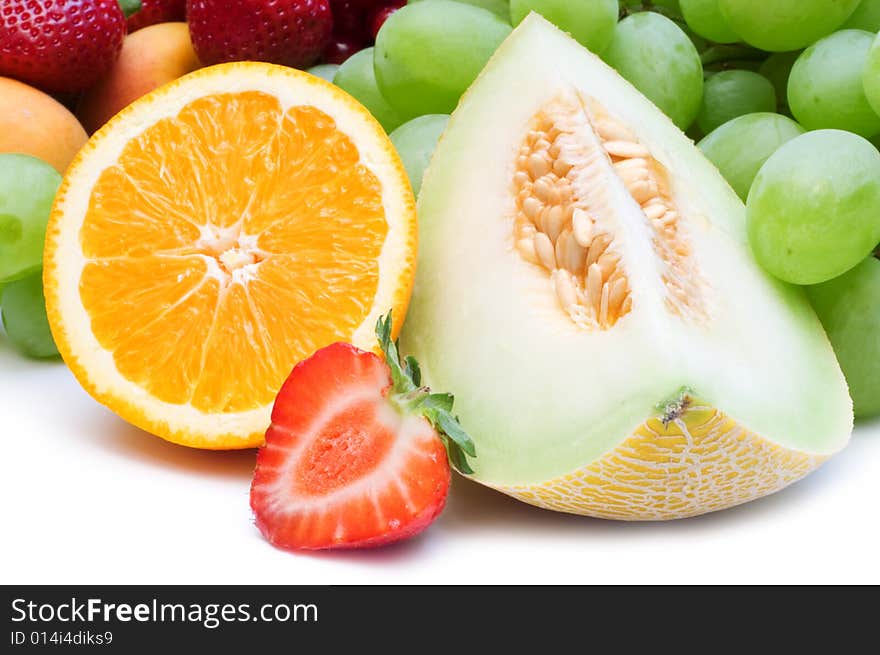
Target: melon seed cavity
<point>565,219</point>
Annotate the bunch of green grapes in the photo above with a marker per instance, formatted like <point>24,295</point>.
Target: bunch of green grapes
<point>784,93</point>
<point>813,217</point>
<point>27,189</point>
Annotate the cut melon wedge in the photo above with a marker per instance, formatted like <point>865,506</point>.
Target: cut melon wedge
<point>586,289</point>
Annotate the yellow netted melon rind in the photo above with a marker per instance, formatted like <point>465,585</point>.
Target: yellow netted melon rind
<point>699,462</point>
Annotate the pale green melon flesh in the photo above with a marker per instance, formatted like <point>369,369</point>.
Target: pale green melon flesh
<point>542,397</point>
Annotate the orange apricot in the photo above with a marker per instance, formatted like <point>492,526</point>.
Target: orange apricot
<point>150,57</point>
<point>36,124</point>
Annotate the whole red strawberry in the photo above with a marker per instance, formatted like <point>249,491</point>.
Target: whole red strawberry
<point>157,11</point>
<point>350,17</point>
<point>289,32</point>
<point>351,29</point>
<point>59,46</point>
<point>383,13</point>
<point>341,47</point>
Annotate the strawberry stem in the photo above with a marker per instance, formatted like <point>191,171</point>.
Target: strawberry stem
<point>411,397</point>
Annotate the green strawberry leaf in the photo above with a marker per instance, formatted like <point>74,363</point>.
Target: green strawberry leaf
<point>458,460</point>
<point>450,425</point>
<point>401,378</point>
<point>412,398</point>
<point>438,401</point>
<point>129,7</point>
<point>412,368</point>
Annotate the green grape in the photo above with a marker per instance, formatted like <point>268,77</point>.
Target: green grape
<point>871,76</point>
<point>500,8</point>
<point>865,17</point>
<point>428,53</point>
<point>591,23</point>
<point>357,77</point>
<point>782,25</point>
<point>658,58</point>
<point>704,17</point>
<point>24,317</point>
<point>777,68</point>
<point>324,71</point>
<point>415,142</point>
<point>825,86</point>
<point>729,94</point>
<point>849,308</point>
<point>740,147</point>
<point>27,189</point>
<point>814,208</point>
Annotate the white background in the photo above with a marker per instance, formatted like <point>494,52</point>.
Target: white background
<point>87,498</point>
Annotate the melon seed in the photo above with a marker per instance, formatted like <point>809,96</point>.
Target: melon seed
<point>538,166</point>
<point>583,227</point>
<point>655,210</point>
<point>553,222</point>
<point>544,249</point>
<point>565,289</point>
<point>532,208</point>
<point>625,149</point>
<point>603,305</point>
<point>526,248</point>
<point>612,131</point>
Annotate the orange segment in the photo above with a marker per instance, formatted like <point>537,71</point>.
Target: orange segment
<point>124,220</point>
<point>173,301</point>
<point>234,147</point>
<point>214,234</point>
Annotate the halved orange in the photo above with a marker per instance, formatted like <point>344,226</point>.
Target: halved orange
<point>215,233</point>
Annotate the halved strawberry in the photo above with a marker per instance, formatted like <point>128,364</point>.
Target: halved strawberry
<point>358,453</point>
